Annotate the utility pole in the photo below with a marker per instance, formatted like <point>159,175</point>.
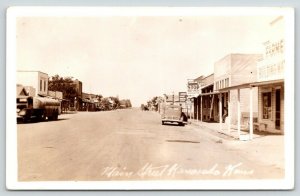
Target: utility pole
<point>173,98</point>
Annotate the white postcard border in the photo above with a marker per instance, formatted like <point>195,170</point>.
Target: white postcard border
<point>11,128</point>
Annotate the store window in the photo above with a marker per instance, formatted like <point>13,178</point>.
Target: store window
<point>266,97</point>
<point>41,83</point>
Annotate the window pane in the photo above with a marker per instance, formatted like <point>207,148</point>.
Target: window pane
<point>266,97</point>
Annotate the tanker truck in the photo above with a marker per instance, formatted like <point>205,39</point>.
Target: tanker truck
<point>41,108</point>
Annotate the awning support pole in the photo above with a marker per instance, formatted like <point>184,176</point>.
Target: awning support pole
<point>251,114</point>
<point>239,114</point>
<point>201,112</point>
<point>197,114</point>
<point>220,111</point>
<point>229,113</point>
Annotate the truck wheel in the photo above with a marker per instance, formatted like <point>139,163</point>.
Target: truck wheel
<point>42,117</point>
<point>55,116</point>
<point>25,119</point>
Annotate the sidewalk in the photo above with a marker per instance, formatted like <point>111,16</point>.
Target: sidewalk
<point>224,132</point>
<point>264,148</point>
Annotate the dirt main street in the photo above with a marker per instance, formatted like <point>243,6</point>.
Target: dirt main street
<point>128,144</point>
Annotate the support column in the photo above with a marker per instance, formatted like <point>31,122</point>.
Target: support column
<point>229,112</point>
<point>239,114</point>
<point>201,106</point>
<point>220,111</point>
<point>197,106</point>
<point>251,114</point>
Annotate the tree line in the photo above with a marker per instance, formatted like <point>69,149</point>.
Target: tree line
<point>151,104</point>
<point>67,86</point>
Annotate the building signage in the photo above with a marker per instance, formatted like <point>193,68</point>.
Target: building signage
<point>193,89</point>
<point>182,96</point>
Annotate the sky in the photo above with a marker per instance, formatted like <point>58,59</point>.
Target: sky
<point>131,57</point>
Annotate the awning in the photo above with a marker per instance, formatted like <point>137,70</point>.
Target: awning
<point>193,96</point>
<point>253,84</point>
<point>273,82</point>
<point>245,85</point>
<point>211,93</point>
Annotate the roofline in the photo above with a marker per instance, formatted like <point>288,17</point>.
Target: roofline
<point>276,20</point>
<point>31,71</point>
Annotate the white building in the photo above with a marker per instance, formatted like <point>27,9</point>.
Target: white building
<point>36,79</point>
<point>271,80</point>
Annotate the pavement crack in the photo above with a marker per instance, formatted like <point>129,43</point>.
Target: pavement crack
<point>183,141</point>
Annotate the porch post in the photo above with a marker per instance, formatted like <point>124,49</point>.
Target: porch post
<point>201,108</point>
<point>220,111</point>
<point>251,113</point>
<point>197,106</point>
<point>239,114</point>
<point>229,112</point>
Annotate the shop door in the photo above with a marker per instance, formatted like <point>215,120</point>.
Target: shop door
<point>277,108</point>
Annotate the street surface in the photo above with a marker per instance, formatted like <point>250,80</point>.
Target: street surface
<point>129,144</point>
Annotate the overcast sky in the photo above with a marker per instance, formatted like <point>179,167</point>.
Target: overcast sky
<point>134,57</point>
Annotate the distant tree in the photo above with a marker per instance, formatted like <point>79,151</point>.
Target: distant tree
<point>99,97</point>
<point>153,103</point>
<point>116,102</point>
<point>128,103</point>
<point>64,85</point>
<point>105,104</point>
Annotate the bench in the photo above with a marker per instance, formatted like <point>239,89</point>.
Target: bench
<point>260,126</point>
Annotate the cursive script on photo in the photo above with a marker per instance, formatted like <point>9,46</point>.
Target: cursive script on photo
<point>175,170</point>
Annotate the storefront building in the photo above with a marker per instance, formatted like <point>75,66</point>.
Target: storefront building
<point>193,99</point>
<point>208,100</point>
<point>231,74</point>
<point>271,81</point>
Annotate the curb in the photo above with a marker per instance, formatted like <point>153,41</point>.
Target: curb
<point>216,135</point>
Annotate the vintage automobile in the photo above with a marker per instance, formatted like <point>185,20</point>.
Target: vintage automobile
<point>173,114</point>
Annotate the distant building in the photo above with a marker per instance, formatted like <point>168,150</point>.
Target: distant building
<point>35,79</point>
<point>78,103</point>
<point>89,102</point>
<point>78,87</point>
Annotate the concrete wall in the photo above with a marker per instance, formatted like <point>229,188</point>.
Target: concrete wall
<point>235,69</point>
<point>244,68</point>
<point>222,67</point>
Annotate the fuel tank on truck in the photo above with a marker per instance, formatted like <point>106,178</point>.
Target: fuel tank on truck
<point>42,102</point>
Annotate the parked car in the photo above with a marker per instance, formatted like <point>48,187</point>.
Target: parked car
<point>173,114</point>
